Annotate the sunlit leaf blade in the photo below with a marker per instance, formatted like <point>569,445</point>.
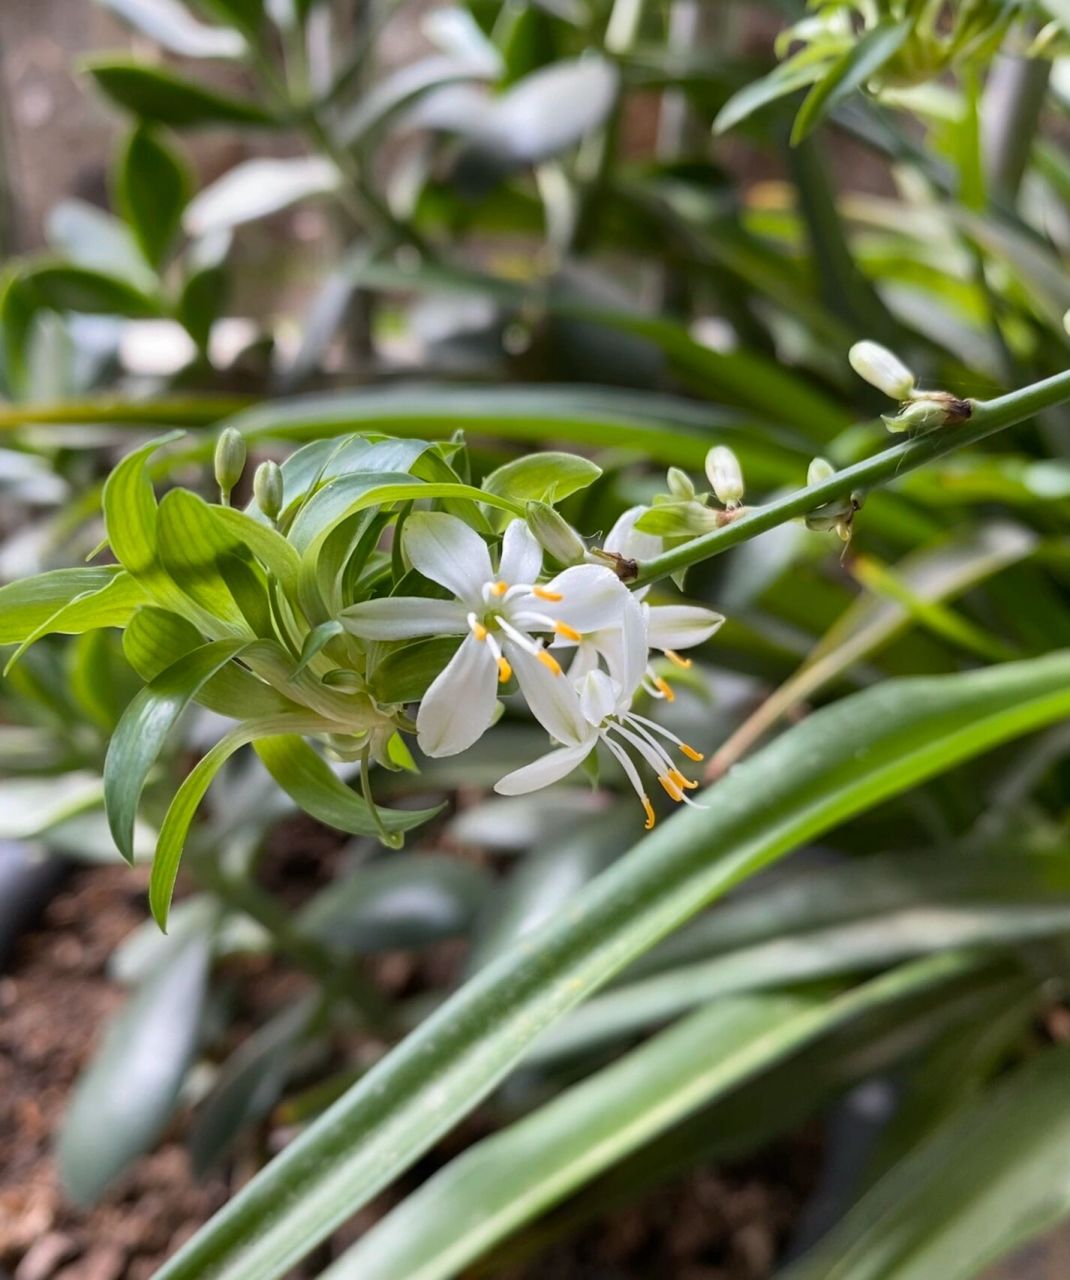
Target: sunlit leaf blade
<point>126,1096</point>
<point>506,1179</point>
<point>145,726</point>
<point>111,605</point>
<point>29,602</point>
<point>995,1176</point>
<point>841,760</point>
<point>171,25</point>
<point>307,780</point>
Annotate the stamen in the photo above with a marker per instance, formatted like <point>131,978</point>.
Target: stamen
<point>505,671</point>
<point>476,627</point>
<point>665,688</point>
<point>691,753</point>
<point>499,588</point>
<point>548,660</point>
<point>543,594</point>
<point>685,784</point>
<point>518,637</point>
<point>649,809</point>
<point>650,687</point>
<point>677,660</point>
<point>671,788</point>
<point>570,633</point>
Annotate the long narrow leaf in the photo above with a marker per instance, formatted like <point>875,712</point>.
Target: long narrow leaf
<point>840,761</point>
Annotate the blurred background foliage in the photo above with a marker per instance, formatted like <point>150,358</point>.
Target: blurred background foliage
<point>633,230</point>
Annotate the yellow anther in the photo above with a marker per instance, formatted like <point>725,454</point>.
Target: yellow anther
<point>499,588</point>
<point>685,784</point>
<point>548,660</point>
<point>672,790</point>
<point>675,658</point>
<point>504,670</point>
<point>543,594</point>
<point>690,752</point>
<point>479,631</point>
<point>664,688</point>
<point>570,633</point>
<point>649,810</point>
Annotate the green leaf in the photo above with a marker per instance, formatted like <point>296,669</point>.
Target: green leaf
<point>249,1084</point>
<point>307,780</point>
<point>995,1176</point>
<point>507,1179</point>
<point>165,98</point>
<point>172,26</point>
<point>404,901</point>
<point>840,761</point>
<point>542,477</point>
<point>69,287</point>
<point>153,185</point>
<point>191,544</point>
<point>111,605</point>
<point>406,673</point>
<point>179,816</point>
<point>779,83</point>
<point>144,728</point>
<point>28,603</point>
<point>125,1098</point>
<point>851,71</point>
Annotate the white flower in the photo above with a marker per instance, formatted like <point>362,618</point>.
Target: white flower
<point>669,627</point>
<point>604,704</point>
<point>497,611</point>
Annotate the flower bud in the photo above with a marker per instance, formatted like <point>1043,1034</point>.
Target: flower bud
<point>918,415</point>
<point>725,475</point>
<point>882,369</point>
<point>267,488</point>
<point>555,535</point>
<point>679,484</point>
<point>229,461</point>
<point>819,470</point>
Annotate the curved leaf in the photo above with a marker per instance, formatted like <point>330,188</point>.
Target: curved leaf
<point>27,604</point>
<point>154,94</point>
<point>840,761</point>
<point>144,728</point>
<point>153,186</point>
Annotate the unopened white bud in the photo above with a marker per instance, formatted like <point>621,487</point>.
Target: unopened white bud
<point>229,460</point>
<point>267,488</point>
<point>882,369</point>
<point>554,534</point>
<point>680,484</point>
<point>819,470</point>
<point>725,475</point>
<point>918,415</point>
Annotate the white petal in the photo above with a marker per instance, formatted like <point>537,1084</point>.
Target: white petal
<point>679,626</point>
<point>552,699</point>
<point>448,552</point>
<point>403,617</point>
<point>624,648</point>
<point>598,696</point>
<point>521,555</point>
<point>586,658</point>
<point>459,706</point>
<point>544,771</point>
<point>593,597</point>
<point>627,541</point>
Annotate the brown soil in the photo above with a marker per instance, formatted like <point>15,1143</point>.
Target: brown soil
<point>719,1225</point>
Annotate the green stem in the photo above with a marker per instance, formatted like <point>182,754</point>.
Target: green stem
<point>987,417</point>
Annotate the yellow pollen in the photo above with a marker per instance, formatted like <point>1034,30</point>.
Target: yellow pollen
<point>479,631</point>
<point>690,752</point>
<point>674,657</point>
<point>570,633</point>
<point>504,670</point>
<point>543,594</point>
<point>548,660</point>
<point>666,689</point>
<point>671,788</point>
<point>684,783</point>
<point>648,808</point>
<point>500,588</point>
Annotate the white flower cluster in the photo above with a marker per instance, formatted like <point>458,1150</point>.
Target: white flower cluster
<point>579,645</point>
